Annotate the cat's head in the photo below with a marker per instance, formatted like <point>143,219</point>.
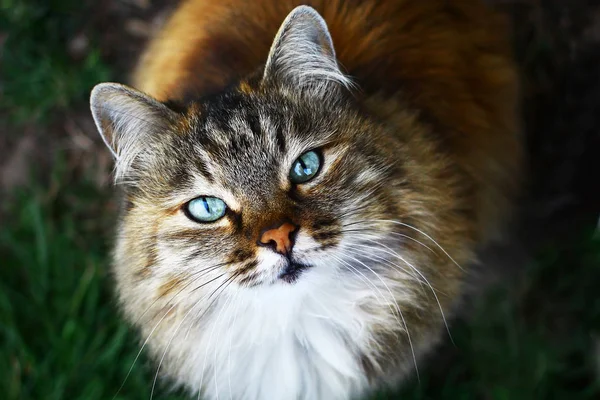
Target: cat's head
<point>281,178</point>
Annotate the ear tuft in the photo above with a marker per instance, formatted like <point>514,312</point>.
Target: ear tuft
<point>302,54</point>
<point>127,121</point>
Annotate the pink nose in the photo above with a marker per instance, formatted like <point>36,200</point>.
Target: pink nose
<point>281,237</point>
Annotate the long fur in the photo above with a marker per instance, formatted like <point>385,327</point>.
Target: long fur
<point>412,108</point>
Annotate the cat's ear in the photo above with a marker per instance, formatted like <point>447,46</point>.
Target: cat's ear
<point>302,54</point>
<point>128,121</point>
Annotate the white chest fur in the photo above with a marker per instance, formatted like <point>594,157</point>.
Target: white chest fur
<point>301,341</point>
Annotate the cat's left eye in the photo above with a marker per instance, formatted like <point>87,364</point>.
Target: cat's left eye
<point>305,167</point>
<point>205,209</point>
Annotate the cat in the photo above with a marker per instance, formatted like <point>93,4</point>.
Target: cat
<point>304,196</point>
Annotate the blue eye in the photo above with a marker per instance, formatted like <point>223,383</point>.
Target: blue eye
<point>305,167</point>
<point>206,209</point>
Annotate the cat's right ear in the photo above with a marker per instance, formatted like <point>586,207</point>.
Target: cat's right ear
<point>302,54</point>
<point>127,121</point>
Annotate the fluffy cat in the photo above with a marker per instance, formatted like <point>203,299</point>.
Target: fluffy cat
<point>300,214</point>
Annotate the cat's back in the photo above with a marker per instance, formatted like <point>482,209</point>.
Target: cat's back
<point>420,46</point>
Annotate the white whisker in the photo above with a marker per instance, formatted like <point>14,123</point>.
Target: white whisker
<point>368,224</point>
<point>175,332</point>
<point>237,304</point>
<point>364,279</point>
<point>221,287</point>
<point>227,305</point>
<point>373,237</point>
<point>191,281</point>
<point>377,258</point>
<point>433,291</point>
<point>399,313</point>
<point>426,235</point>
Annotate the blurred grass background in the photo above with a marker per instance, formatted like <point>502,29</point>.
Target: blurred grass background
<point>535,335</point>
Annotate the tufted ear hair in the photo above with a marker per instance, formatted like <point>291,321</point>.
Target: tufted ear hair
<point>302,54</point>
<point>128,121</point>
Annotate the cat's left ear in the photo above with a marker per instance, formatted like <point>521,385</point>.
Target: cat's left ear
<point>302,54</point>
<point>129,122</point>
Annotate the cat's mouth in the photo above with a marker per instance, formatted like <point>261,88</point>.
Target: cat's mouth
<point>292,271</point>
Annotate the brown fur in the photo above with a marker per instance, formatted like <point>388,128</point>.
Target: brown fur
<point>434,113</point>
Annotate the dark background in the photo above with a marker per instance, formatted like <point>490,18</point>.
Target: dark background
<point>534,335</point>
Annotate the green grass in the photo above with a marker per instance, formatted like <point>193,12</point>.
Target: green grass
<point>61,336</point>
<point>40,77</point>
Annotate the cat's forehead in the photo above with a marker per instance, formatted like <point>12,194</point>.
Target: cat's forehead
<point>240,130</point>
<point>230,123</point>
<point>245,142</point>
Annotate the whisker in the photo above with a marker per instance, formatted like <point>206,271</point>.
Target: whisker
<point>371,235</point>
<point>360,221</point>
<point>188,331</point>
<point>392,253</point>
<point>388,262</point>
<point>427,236</point>
<point>191,278</point>
<point>365,200</point>
<point>391,232</point>
<point>399,312</point>
<point>433,291</point>
<point>175,332</point>
<point>414,240</point>
<point>355,209</point>
<point>237,304</point>
<point>356,272</point>
<point>363,278</point>
<point>228,304</point>
<point>224,286</point>
<point>152,332</point>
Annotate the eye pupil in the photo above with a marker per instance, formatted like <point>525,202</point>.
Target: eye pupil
<point>301,161</point>
<point>305,167</point>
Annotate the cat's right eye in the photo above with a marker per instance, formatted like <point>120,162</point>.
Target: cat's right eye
<point>305,167</point>
<point>205,209</point>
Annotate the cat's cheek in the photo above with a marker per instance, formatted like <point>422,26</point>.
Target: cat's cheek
<point>305,243</point>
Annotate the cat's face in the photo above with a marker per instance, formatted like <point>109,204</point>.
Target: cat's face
<point>265,185</point>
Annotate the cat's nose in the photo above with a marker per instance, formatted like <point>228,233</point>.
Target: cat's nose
<point>280,238</point>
